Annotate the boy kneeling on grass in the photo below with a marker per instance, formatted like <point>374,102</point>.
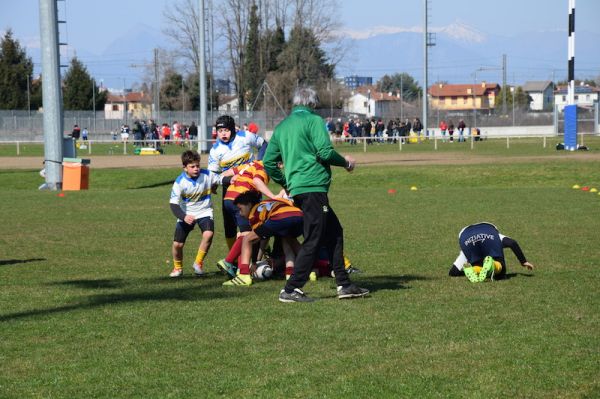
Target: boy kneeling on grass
<point>482,255</point>
<point>191,204</point>
<point>276,217</point>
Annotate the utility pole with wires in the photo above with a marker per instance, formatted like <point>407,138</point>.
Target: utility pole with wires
<point>155,84</point>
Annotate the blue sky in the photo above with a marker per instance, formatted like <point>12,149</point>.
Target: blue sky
<point>92,26</point>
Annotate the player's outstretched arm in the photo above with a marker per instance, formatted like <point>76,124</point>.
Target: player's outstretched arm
<point>527,265</point>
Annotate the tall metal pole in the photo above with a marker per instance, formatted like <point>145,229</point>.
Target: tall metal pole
<point>156,89</point>
<point>570,110</point>
<point>401,98</point>
<point>425,66</point>
<point>94,101</point>
<point>52,95</point>
<point>571,55</point>
<point>202,54</point>
<point>504,93</point>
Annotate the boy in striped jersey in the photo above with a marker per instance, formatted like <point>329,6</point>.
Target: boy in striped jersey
<point>191,204</point>
<point>232,148</point>
<point>268,218</point>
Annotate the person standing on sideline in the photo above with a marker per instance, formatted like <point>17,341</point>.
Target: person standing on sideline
<point>443,129</point>
<point>193,132</point>
<point>461,130</point>
<point>417,127</point>
<point>301,143</point>
<point>451,131</point>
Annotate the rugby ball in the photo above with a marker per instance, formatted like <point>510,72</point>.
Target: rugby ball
<point>262,271</point>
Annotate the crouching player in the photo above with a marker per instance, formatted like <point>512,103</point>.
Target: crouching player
<point>482,253</point>
<point>268,218</point>
<point>191,204</point>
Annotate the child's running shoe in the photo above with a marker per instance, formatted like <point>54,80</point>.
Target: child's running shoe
<point>242,280</point>
<point>487,269</point>
<point>199,269</point>
<point>471,274</point>
<point>227,267</point>
<point>176,273</point>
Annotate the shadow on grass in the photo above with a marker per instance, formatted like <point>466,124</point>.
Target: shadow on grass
<point>389,282</point>
<point>6,262</point>
<point>92,284</point>
<point>511,275</point>
<point>196,293</point>
<point>160,184</point>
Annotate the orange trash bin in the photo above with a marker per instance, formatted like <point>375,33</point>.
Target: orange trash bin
<point>76,174</point>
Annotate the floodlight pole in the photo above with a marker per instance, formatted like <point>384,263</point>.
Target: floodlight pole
<point>205,134</point>
<point>52,95</point>
<point>425,66</point>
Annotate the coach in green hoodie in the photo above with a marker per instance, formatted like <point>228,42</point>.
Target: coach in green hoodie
<point>301,143</point>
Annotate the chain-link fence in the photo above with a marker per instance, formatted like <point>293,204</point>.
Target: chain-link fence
<point>28,126</point>
<point>25,125</point>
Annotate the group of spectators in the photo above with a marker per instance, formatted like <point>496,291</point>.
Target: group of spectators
<point>375,130</point>
<point>150,133</point>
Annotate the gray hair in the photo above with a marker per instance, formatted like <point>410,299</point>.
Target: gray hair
<point>305,95</point>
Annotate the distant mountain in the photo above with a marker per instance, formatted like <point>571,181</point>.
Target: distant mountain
<point>462,54</point>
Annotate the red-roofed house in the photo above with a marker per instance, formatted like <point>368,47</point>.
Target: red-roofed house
<point>139,105</point>
<point>449,97</point>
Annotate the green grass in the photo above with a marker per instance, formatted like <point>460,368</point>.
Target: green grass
<point>87,309</point>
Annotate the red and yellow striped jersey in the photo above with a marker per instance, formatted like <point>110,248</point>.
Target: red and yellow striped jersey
<point>244,181</point>
<point>272,209</point>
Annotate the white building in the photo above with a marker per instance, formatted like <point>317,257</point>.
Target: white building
<point>366,100</point>
<point>585,96</point>
<point>229,104</point>
<point>541,93</point>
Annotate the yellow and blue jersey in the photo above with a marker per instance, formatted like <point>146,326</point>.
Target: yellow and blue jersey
<point>193,195</point>
<point>239,150</point>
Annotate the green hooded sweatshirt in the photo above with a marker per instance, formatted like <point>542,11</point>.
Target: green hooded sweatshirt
<point>302,144</point>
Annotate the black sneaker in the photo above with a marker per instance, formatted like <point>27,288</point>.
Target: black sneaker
<point>296,296</point>
<point>351,291</point>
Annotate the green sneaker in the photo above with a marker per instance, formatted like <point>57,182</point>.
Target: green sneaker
<point>487,269</point>
<point>471,274</point>
<point>243,280</point>
<point>229,268</point>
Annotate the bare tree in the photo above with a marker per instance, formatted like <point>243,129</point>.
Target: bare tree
<point>183,28</point>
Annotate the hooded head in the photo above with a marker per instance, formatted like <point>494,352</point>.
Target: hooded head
<point>225,122</point>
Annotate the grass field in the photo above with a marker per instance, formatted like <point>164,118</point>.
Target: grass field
<point>87,309</point>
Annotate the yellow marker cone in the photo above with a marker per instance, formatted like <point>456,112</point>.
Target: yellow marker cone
<point>576,187</point>
<point>593,190</point>
<point>413,188</point>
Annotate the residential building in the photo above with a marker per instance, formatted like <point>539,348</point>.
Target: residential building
<point>368,101</point>
<point>541,93</point>
<point>585,96</point>
<point>137,103</point>
<point>460,97</point>
<point>228,104</point>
